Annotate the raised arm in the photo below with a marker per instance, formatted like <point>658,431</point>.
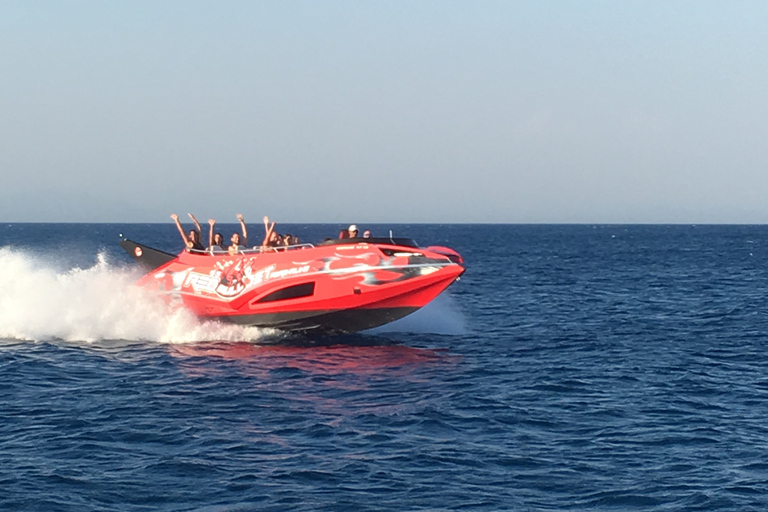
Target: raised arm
<point>197,224</point>
<point>181,229</point>
<point>211,223</point>
<point>245,230</point>
<point>268,229</point>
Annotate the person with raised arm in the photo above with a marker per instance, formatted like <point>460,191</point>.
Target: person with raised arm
<point>192,241</point>
<point>237,245</point>
<point>215,241</point>
<point>197,226</point>
<point>270,237</point>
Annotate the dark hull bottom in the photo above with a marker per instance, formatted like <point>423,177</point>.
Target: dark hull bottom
<point>326,322</point>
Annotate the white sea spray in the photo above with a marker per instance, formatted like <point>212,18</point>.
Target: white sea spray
<point>40,302</point>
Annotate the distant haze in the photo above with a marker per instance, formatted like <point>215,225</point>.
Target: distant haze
<point>389,111</point>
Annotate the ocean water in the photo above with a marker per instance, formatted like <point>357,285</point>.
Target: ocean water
<point>572,368</point>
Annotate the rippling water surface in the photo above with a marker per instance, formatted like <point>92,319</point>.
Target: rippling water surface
<point>572,367</point>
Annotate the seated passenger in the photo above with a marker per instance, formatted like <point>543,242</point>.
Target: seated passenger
<point>192,241</point>
<point>215,241</point>
<point>218,243</point>
<point>236,245</point>
<point>272,242</point>
<point>351,232</point>
<point>367,233</point>
<point>271,239</point>
<point>287,240</point>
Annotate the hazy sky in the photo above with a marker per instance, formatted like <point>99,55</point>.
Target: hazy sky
<point>390,111</point>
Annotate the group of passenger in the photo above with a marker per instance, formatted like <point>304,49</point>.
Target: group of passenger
<point>193,240</point>
<point>272,240</point>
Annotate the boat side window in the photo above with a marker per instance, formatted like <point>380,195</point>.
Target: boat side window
<point>291,292</point>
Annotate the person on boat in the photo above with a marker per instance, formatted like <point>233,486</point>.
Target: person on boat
<point>215,240</point>
<point>271,239</point>
<point>367,233</point>
<point>211,236</point>
<point>272,242</point>
<point>238,244</point>
<point>351,232</point>
<point>197,226</point>
<point>235,246</point>
<point>192,241</point>
<point>288,240</point>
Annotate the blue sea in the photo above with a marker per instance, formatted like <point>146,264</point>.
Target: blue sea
<point>574,367</point>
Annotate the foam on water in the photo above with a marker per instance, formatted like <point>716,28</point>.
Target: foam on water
<point>101,302</point>
<point>441,316</point>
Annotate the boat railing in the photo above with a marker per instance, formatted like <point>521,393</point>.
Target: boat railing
<point>405,242</point>
<point>283,248</point>
<point>254,250</point>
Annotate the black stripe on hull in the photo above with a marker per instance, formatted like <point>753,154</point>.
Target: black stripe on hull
<point>343,321</point>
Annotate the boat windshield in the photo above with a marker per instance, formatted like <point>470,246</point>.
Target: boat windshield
<point>405,242</point>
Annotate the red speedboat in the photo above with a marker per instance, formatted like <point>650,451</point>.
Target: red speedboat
<point>338,286</point>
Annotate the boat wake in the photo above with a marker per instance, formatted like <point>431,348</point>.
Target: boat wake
<point>41,302</point>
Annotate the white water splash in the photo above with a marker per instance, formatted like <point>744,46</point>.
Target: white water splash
<point>40,302</point>
<point>441,316</point>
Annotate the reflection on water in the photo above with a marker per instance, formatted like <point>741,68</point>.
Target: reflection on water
<point>331,381</point>
<point>337,358</point>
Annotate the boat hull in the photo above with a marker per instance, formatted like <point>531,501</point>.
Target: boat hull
<point>326,322</point>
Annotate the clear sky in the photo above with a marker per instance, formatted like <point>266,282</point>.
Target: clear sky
<point>388,111</point>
